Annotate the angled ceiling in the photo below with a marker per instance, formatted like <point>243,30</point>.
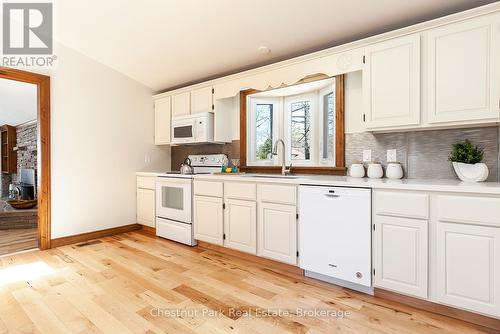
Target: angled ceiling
<point>18,102</point>
<point>167,43</point>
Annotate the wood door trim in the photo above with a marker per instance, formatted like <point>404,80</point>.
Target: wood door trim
<point>73,239</point>
<point>485,323</point>
<point>340,169</point>
<point>43,143</point>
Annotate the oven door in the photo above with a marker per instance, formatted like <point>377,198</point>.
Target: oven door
<point>184,131</point>
<point>173,199</point>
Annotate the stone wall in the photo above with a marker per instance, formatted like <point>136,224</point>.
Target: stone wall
<point>27,149</point>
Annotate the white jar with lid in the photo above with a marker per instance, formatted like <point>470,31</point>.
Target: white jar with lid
<point>375,170</point>
<point>357,170</point>
<point>394,170</point>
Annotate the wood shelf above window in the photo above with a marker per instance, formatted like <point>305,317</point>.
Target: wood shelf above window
<point>9,155</point>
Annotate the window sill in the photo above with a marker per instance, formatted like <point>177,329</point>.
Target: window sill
<point>296,170</point>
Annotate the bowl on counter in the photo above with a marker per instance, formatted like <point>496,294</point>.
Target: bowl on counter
<point>22,203</point>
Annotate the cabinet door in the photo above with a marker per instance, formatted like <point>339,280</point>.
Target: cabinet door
<point>391,83</point>
<point>463,71</point>
<point>468,267</point>
<point>240,225</point>
<point>401,255</point>
<point>181,104</point>
<point>208,219</point>
<point>146,207</point>
<point>201,100</point>
<point>277,232</point>
<point>162,121</point>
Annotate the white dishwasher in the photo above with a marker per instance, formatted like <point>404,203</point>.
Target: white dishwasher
<point>335,234</point>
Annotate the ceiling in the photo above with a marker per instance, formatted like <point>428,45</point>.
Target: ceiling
<point>18,102</point>
<point>168,43</point>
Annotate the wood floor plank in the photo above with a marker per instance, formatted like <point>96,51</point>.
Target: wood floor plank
<point>119,284</point>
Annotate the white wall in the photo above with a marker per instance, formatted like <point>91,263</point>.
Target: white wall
<point>102,127</point>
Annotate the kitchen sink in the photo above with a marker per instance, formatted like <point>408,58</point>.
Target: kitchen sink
<point>272,176</point>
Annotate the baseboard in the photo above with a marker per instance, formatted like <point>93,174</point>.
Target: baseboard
<point>148,230</point>
<point>484,323</point>
<point>73,239</point>
<point>267,263</point>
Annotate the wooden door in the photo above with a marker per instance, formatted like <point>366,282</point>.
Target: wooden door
<point>208,219</point>
<point>240,225</point>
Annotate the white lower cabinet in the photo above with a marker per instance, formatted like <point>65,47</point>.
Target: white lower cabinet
<point>277,232</point>
<point>208,219</point>
<point>468,267</point>
<point>240,225</point>
<point>146,207</point>
<point>401,246</point>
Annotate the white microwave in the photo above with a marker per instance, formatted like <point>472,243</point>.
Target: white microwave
<point>196,128</point>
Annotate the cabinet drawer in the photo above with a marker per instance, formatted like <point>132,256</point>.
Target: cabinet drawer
<point>273,193</point>
<point>146,182</point>
<point>468,209</point>
<point>208,188</point>
<point>402,204</point>
<point>240,190</point>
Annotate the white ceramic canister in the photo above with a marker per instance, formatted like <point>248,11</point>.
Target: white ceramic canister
<point>357,170</point>
<point>375,170</point>
<point>394,170</point>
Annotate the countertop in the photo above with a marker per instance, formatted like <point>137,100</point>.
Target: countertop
<point>492,188</point>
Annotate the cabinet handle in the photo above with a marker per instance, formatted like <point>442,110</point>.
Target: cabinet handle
<point>332,265</point>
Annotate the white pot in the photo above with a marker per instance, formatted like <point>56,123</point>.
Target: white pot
<point>357,170</point>
<point>471,172</point>
<point>394,170</point>
<point>375,171</point>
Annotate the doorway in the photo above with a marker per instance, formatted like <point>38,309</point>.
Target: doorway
<point>25,163</point>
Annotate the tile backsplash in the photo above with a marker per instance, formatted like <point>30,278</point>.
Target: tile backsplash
<point>179,153</point>
<point>424,154</point>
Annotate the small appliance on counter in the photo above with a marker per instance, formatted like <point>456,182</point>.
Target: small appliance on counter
<point>174,197</point>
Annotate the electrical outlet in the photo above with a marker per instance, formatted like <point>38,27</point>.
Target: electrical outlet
<point>391,156</point>
<point>367,155</point>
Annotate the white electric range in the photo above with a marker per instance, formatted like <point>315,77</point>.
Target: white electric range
<point>174,198</point>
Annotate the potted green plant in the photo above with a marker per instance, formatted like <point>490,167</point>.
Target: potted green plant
<point>466,159</point>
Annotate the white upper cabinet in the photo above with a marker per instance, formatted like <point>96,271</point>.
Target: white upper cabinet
<point>162,120</point>
<point>391,83</point>
<point>463,72</point>
<point>201,100</point>
<point>181,104</point>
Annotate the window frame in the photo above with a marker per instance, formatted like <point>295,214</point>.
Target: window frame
<point>275,102</point>
<point>338,169</point>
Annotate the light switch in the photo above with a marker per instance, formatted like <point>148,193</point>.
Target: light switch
<point>367,155</point>
<point>147,158</point>
<point>391,156</point>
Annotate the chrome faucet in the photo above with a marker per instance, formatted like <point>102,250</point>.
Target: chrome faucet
<point>284,169</point>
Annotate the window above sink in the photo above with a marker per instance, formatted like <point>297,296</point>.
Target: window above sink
<point>307,116</point>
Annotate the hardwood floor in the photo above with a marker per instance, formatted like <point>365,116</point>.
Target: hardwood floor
<point>16,240</point>
<point>121,284</point>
